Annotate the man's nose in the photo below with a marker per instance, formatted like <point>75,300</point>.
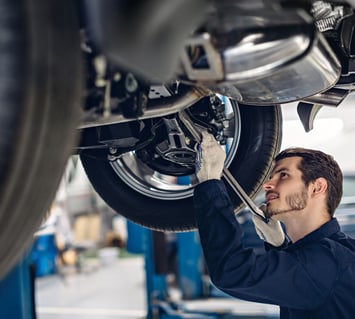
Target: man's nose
<point>268,185</point>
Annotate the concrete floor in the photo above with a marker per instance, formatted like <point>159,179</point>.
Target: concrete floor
<point>112,291</point>
<point>116,290</point>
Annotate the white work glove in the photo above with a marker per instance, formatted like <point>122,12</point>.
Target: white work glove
<point>212,159</point>
<point>270,232</point>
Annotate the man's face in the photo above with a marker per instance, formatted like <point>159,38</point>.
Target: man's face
<point>285,190</point>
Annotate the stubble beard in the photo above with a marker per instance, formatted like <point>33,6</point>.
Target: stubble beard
<point>296,202</point>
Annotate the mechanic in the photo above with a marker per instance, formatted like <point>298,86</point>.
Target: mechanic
<point>310,272</point>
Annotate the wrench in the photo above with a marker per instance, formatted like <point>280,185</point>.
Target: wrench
<point>226,174</point>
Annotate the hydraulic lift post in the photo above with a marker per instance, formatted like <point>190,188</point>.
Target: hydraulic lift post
<point>17,299</point>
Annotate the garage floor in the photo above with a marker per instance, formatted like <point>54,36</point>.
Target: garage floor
<point>117,291</point>
<point>114,290</point>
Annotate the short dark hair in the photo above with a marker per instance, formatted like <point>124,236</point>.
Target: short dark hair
<point>315,164</point>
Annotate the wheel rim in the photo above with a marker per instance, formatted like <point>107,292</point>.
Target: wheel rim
<point>143,179</point>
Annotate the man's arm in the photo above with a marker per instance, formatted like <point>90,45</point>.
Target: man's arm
<point>276,277</point>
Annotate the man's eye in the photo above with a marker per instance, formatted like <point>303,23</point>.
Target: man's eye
<point>282,175</point>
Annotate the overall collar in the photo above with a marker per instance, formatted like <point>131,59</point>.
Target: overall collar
<point>325,231</point>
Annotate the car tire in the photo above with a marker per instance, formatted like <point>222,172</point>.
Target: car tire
<point>40,95</point>
<point>260,137</point>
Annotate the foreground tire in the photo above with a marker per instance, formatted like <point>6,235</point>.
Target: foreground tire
<point>128,187</point>
<point>40,89</point>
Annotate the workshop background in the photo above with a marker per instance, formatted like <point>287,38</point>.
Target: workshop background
<point>93,263</point>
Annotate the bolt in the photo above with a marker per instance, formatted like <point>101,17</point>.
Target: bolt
<point>113,150</point>
<point>131,83</point>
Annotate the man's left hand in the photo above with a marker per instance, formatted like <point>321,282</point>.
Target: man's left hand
<point>270,232</point>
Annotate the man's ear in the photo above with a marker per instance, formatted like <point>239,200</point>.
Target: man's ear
<point>320,185</point>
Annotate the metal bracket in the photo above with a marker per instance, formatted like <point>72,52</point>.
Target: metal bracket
<point>307,113</point>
